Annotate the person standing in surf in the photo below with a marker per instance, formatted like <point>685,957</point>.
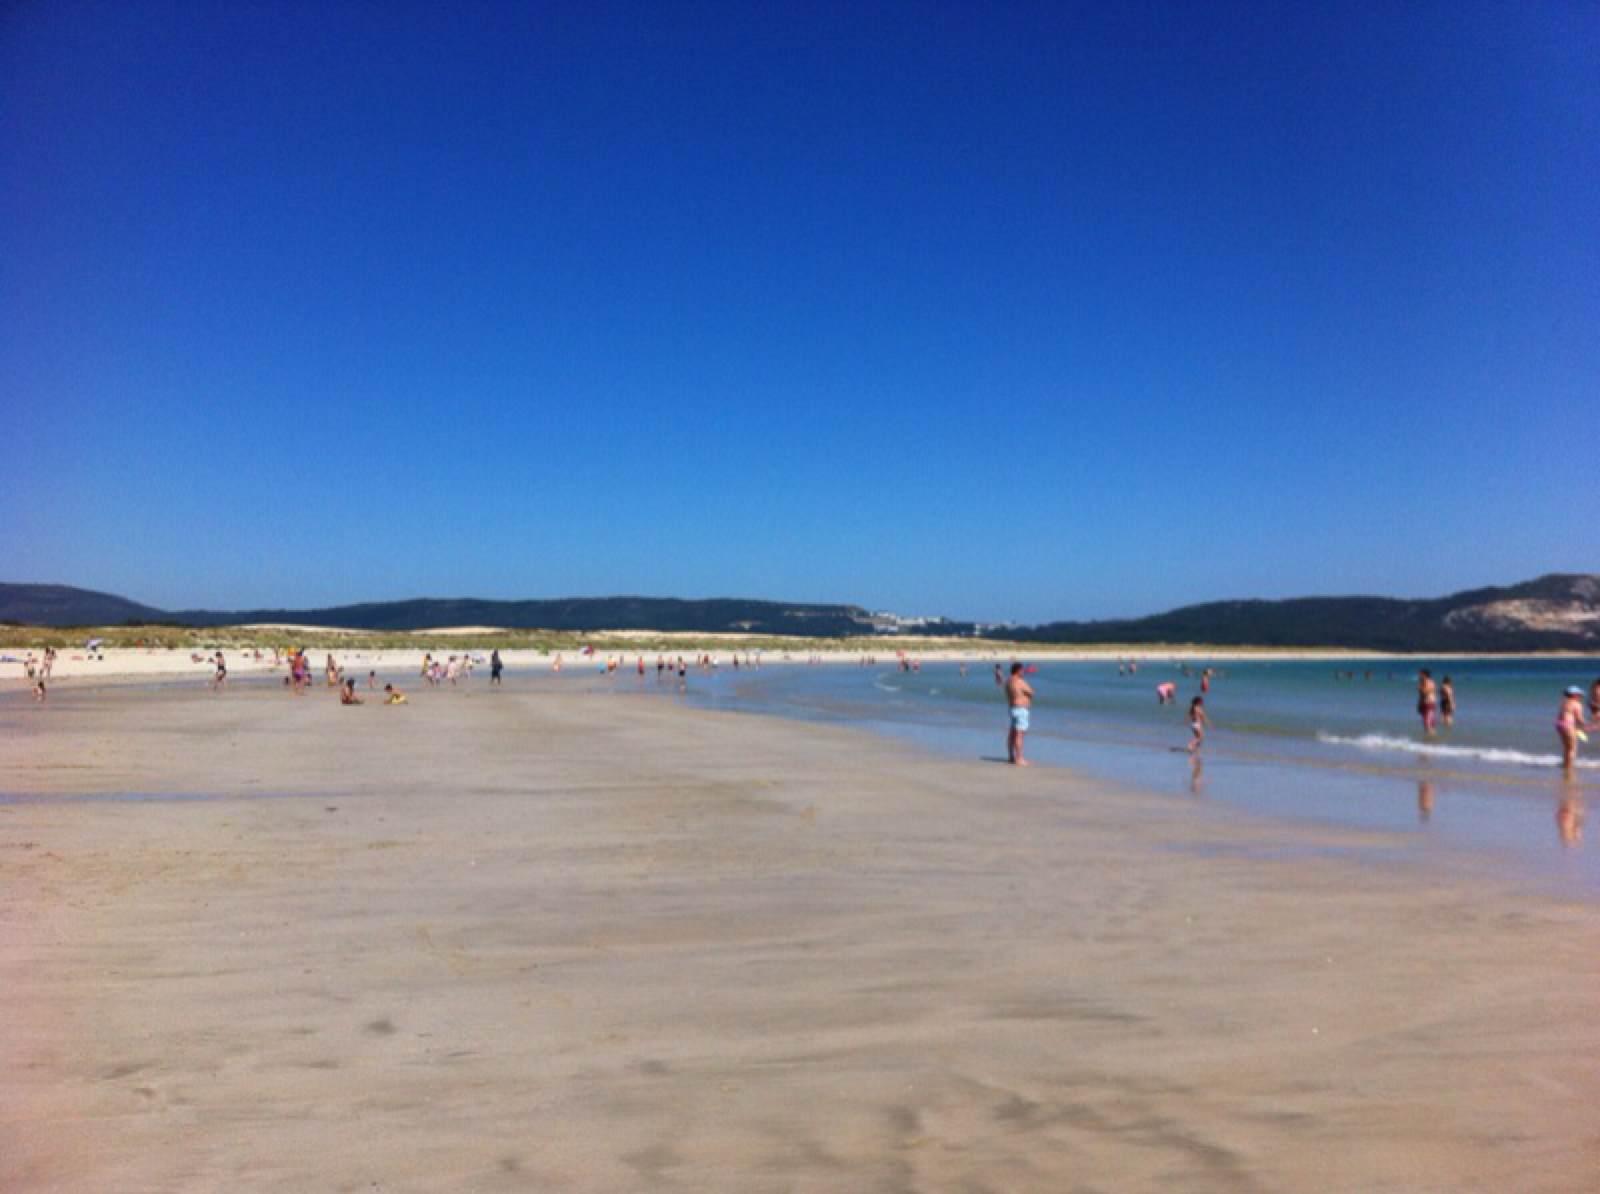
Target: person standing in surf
<point>1019,701</point>
<point>1570,726</point>
<point>1447,701</point>
<point>1197,724</point>
<point>1427,700</point>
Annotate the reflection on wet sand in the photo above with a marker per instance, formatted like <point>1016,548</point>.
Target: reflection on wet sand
<point>1569,816</point>
<point>1197,775</point>
<point>1425,798</point>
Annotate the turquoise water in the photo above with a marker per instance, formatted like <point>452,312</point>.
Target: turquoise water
<point>1332,742</point>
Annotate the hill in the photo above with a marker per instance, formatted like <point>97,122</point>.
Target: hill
<point>1552,613</point>
<point>63,605</point>
<point>1559,612</point>
<point>60,605</point>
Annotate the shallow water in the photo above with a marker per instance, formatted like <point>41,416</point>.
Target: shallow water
<point>1289,740</point>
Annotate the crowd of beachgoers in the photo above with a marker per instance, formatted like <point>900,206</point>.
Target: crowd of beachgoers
<point>1578,710</point>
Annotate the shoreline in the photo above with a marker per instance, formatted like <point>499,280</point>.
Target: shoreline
<point>142,662</point>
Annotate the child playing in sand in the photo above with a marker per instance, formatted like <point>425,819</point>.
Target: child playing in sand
<point>1197,723</point>
<point>347,694</point>
<point>392,695</point>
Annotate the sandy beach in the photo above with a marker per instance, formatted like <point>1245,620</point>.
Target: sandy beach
<point>145,663</point>
<point>549,938</point>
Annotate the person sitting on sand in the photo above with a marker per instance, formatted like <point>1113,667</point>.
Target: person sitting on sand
<point>347,694</point>
<point>392,695</point>
<point>1570,726</point>
<point>1197,724</point>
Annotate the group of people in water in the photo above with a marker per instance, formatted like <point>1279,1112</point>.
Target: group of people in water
<point>1576,716</point>
<point>1019,705</point>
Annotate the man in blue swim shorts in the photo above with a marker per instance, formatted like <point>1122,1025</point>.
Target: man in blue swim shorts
<point>1019,697</point>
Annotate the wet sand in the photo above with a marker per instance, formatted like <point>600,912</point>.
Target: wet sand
<point>557,939</point>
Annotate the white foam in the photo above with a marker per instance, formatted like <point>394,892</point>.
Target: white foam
<point>1440,750</point>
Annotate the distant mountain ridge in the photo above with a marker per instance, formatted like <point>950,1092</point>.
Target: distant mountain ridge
<point>1559,612</point>
<point>62,605</point>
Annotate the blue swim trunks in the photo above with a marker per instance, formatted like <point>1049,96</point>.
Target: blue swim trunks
<point>1019,718</point>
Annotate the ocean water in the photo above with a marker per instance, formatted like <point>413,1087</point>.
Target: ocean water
<point>1338,743</point>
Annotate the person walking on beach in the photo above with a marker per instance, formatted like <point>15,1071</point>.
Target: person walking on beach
<point>1447,701</point>
<point>495,666</point>
<point>1427,700</point>
<point>220,677</point>
<point>1019,700</point>
<point>1570,726</point>
<point>1197,724</point>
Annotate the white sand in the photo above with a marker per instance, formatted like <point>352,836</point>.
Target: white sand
<point>141,662</point>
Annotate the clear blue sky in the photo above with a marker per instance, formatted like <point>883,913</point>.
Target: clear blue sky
<point>997,311</point>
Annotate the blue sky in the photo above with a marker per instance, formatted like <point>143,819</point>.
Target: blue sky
<point>997,311</point>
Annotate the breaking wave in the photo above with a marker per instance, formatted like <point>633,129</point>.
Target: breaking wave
<point>1440,750</point>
